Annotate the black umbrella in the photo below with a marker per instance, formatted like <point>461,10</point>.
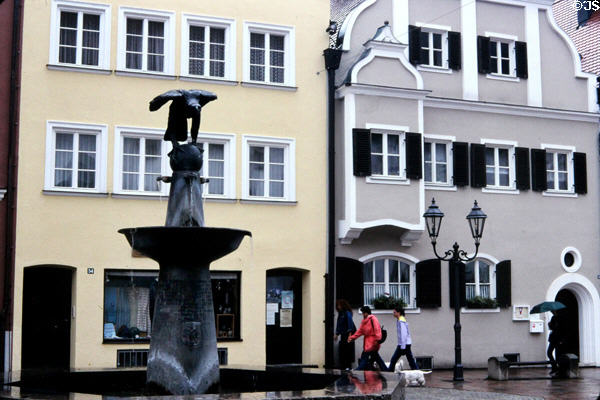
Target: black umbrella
<point>547,306</point>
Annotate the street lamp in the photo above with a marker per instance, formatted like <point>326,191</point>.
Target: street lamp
<point>433,219</point>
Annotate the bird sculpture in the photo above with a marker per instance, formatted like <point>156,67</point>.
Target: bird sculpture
<point>185,104</point>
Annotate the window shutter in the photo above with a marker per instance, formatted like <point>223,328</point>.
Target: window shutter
<point>478,178</point>
<point>362,151</point>
<point>522,168</point>
<point>539,182</point>
<point>583,15</point>
<point>579,165</point>
<point>414,44</point>
<point>454,51</point>
<point>483,54</point>
<point>429,283</point>
<point>503,292</point>
<point>414,160</point>
<point>521,59</point>
<point>598,90</point>
<point>460,159</point>
<point>349,280</point>
<point>461,285</point>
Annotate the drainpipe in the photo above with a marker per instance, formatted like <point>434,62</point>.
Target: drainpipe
<point>332,63</point>
<point>11,187</point>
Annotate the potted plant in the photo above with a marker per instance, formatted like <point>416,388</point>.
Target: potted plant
<point>384,302</point>
<point>481,302</point>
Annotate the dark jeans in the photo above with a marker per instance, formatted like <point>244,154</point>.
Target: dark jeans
<point>551,347</point>
<point>367,358</point>
<point>346,352</point>
<point>403,352</point>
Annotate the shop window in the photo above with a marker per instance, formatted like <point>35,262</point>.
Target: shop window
<point>226,300</point>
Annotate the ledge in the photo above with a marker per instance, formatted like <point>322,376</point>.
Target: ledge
<point>76,68</point>
<point>139,196</point>
<point>271,202</point>
<point>220,200</point>
<point>126,341</point>
<point>465,310</point>
<point>269,86</point>
<point>140,74</point>
<point>203,79</point>
<point>73,193</point>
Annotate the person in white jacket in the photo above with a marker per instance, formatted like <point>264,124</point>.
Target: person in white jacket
<point>404,341</point>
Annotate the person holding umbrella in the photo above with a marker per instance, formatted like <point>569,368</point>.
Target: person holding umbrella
<point>556,337</point>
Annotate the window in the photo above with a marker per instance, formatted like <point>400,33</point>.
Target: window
<point>128,296</point>
<point>387,276</point>
<point>437,162</point>
<point>75,157</point>
<point>226,302</point>
<point>208,47</point>
<point>140,159</point>
<point>498,167</point>
<point>433,49</point>
<point>146,41</point>
<point>501,62</point>
<point>269,168</point>
<point>127,305</point>
<point>217,166</point>
<point>269,54</point>
<point>385,154</point>
<point>480,279</point>
<point>80,34</point>
<point>558,170</point>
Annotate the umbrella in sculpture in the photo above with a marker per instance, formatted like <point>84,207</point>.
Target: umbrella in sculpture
<point>547,306</point>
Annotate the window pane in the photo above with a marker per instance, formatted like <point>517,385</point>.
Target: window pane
<point>424,39</point>
<point>470,291</point>
<point>197,33</point>
<point>216,186</point>
<point>437,58</point>
<point>86,161</point>
<point>257,153</point>
<point>153,147</point>
<point>216,151</point>
<point>440,173</point>
<point>493,48</point>
<point>63,159</point>
<point>217,68</point>
<point>562,181</point>
<point>379,270</point>
<point>549,161</point>
<point>155,63</point>
<point>276,171</point>
<point>62,178</point>
<point>562,161</point>
<point>440,152</point>
<point>156,28</point>
<point>503,176</point>
<point>276,189</point>
<point>393,142</point>
<point>368,272</point>
<point>64,141</point>
<point>257,56</point>
<point>196,67</point>
<point>504,50</point>
<point>257,73</point>
<point>493,66</point>
<point>67,55</point>
<point>130,181</point>
<point>484,272</point>
<point>89,57</point>
<point>217,35</point>
<point>404,272</point>
<point>68,19</point>
<point>276,155</point>
<point>150,183</point>
<point>425,55</point>
<point>277,75</point>
<point>470,272</point>
<point>276,42</point>
<point>505,67</point>
<point>216,169</point>
<point>376,143</point>
<point>428,177</point>
<point>550,179</point>
<point>490,176</point>
<point>257,171</point>
<point>393,270</point>
<point>135,26</point>
<point>376,165</point>
<point>68,37</point>
<point>131,145</point>
<point>257,40</point>
<point>153,165</point>
<point>489,156</point>
<point>86,179</point>
<point>133,61</point>
<point>276,58</point>
<point>131,163</point>
<point>484,291</point>
<point>393,165</point>
<point>427,151</point>
<point>87,142</point>
<point>91,22</point>
<point>503,157</point>
<point>257,188</point>
<point>156,45</point>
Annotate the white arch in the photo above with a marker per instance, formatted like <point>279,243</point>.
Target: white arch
<point>388,253</point>
<point>588,301</point>
<point>348,24</point>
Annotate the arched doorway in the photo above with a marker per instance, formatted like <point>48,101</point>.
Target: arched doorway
<point>569,318</point>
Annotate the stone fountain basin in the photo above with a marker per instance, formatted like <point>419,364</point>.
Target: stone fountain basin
<point>175,244</point>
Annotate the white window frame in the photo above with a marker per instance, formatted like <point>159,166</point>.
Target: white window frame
<point>510,40</point>
<point>569,151</point>
<point>289,146</point>
<point>401,257</point>
<point>230,49</point>
<point>142,133</point>
<point>288,32</point>
<point>101,132</point>
<point>103,10</point>
<point>168,17</point>
<point>512,177</point>
<point>448,141</point>
<point>228,140</point>
<point>492,263</point>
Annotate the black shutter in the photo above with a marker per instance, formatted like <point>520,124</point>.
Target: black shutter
<point>361,139</point>
<point>539,182</point>
<point>414,160</point>
<point>460,159</point>
<point>503,292</point>
<point>349,280</point>
<point>583,15</point>
<point>414,44</point>
<point>522,168</point>
<point>579,165</point>
<point>454,50</point>
<point>429,283</point>
<point>483,54</point>
<point>478,165</point>
<point>521,58</point>
<point>461,284</point>
<point>598,90</point>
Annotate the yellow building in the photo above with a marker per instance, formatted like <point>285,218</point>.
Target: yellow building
<point>90,152</point>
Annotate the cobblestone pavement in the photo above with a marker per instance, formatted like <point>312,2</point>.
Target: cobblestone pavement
<point>528,383</point>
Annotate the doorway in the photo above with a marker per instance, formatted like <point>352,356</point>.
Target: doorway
<point>284,317</point>
<point>569,318</point>
<point>46,336</point>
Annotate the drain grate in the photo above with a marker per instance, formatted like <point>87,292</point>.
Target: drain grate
<point>132,358</point>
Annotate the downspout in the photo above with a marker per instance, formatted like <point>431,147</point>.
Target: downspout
<point>11,189</point>
<point>332,63</point>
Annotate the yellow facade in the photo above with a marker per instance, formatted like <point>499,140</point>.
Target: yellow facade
<point>81,231</point>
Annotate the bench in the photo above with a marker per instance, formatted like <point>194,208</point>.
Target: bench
<point>568,366</point>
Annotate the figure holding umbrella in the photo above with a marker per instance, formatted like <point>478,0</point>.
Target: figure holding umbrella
<point>557,330</point>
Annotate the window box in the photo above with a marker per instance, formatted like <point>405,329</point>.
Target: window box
<point>388,303</point>
<point>479,302</point>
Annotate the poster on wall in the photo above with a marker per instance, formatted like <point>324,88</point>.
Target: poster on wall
<point>272,308</point>
<point>520,313</point>
<point>285,318</point>
<point>287,299</point>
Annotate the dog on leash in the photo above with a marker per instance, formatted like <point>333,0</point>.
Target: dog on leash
<point>412,377</point>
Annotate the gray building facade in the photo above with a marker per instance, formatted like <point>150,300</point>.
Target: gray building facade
<point>463,100</point>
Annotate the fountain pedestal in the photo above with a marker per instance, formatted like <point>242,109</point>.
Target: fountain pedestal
<point>183,347</point>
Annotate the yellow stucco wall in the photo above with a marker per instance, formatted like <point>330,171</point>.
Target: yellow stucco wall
<point>81,232</point>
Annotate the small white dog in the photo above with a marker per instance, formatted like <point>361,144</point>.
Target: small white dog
<point>412,377</point>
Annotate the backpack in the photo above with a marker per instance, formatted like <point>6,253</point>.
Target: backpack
<point>383,333</point>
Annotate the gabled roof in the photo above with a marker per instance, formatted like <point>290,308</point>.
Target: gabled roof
<point>339,11</point>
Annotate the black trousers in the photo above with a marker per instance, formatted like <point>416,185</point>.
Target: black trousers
<point>403,352</point>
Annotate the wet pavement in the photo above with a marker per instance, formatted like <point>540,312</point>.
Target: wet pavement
<point>525,383</point>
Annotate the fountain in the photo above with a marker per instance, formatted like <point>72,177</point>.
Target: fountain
<point>183,347</point>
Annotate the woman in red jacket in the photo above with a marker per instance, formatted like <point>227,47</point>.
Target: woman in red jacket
<point>371,330</point>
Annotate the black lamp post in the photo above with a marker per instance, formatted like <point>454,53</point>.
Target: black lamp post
<point>433,219</point>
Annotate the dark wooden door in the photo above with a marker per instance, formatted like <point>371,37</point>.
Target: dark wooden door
<point>46,340</point>
<point>284,328</point>
<point>569,320</point>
